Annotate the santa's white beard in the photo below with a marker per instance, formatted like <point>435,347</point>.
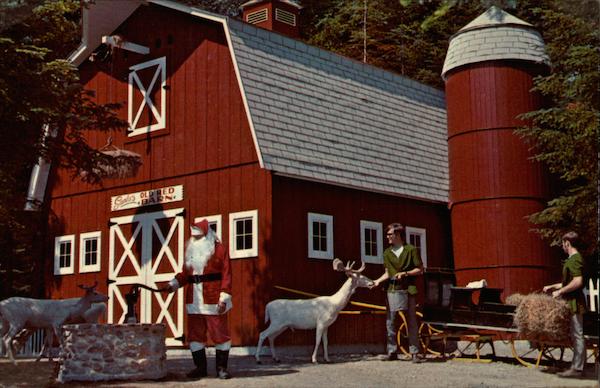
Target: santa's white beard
<point>199,252</point>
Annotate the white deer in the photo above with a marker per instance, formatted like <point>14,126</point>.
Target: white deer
<point>17,313</point>
<point>317,313</point>
<point>90,316</point>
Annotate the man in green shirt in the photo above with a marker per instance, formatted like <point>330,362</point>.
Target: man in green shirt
<point>402,264</point>
<point>571,289</point>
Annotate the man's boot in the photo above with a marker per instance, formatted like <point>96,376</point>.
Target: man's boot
<point>199,357</point>
<point>222,356</point>
<point>416,359</point>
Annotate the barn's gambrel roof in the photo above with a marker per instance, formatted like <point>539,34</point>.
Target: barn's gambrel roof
<point>321,116</point>
<point>317,115</point>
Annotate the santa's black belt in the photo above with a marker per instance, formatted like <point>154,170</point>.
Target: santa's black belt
<point>209,277</point>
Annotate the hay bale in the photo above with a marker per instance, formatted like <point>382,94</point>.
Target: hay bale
<point>514,299</point>
<point>543,318</point>
<point>127,164</point>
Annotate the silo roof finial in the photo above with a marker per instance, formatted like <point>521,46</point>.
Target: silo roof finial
<point>494,16</point>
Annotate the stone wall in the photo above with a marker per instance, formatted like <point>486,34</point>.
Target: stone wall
<point>94,352</point>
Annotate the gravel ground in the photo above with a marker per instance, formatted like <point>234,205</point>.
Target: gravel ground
<point>347,370</point>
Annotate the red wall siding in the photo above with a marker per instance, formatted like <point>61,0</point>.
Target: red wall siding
<point>207,147</point>
<point>206,124</point>
<point>291,267</point>
<point>494,185</point>
<point>215,192</point>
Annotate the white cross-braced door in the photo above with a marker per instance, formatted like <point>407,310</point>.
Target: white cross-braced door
<point>147,248</point>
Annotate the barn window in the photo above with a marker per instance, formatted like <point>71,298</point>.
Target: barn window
<point>418,238</point>
<point>243,234</point>
<point>64,247</point>
<point>89,252</point>
<point>146,102</point>
<point>214,222</point>
<point>320,236</point>
<point>371,242</point>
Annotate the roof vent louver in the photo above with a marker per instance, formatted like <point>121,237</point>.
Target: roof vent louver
<point>285,17</point>
<point>258,16</point>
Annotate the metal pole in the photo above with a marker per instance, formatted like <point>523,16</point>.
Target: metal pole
<point>365,32</point>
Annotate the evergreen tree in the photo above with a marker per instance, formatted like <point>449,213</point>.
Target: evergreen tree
<point>564,134</point>
<point>406,37</point>
<point>40,89</point>
<point>223,7</point>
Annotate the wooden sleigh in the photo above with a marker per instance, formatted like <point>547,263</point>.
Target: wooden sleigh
<point>450,315</point>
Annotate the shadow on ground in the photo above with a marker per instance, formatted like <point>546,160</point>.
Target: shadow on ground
<point>246,371</point>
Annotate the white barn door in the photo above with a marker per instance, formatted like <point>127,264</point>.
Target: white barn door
<point>147,248</point>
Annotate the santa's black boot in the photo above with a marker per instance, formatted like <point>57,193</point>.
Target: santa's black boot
<point>199,357</point>
<point>222,356</point>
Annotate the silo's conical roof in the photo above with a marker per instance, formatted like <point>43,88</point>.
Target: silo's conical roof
<point>495,35</point>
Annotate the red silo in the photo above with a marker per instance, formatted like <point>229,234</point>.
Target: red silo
<point>494,184</point>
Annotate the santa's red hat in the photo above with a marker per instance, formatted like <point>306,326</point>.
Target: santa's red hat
<point>200,228</point>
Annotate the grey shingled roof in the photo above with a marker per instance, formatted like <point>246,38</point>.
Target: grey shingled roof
<point>495,35</point>
<point>324,117</point>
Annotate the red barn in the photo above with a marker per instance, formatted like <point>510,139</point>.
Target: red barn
<point>296,155</point>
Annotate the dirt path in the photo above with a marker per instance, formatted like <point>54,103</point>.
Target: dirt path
<point>347,370</point>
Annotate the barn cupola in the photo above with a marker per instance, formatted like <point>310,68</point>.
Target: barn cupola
<point>494,183</point>
<point>275,15</point>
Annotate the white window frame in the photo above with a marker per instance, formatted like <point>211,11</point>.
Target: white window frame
<point>243,253</point>
<point>216,219</point>
<point>423,233</point>
<point>83,268</point>
<point>58,270</point>
<point>133,117</point>
<point>378,226</point>
<point>328,220</point>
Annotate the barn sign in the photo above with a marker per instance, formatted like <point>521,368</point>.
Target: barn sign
<point>146,198</point>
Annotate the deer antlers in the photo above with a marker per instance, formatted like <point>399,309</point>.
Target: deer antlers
<point>339,266</point>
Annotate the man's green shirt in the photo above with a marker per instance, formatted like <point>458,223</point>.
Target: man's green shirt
<point>572,268</point>
<point>409,259</point>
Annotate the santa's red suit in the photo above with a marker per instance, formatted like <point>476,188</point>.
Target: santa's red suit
<point>207,275</point>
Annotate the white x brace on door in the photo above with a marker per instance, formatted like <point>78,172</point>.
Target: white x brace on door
<point>147,248</point>
<point>148,79</point>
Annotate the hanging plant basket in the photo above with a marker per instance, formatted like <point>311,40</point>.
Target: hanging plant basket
<point>128,162</point>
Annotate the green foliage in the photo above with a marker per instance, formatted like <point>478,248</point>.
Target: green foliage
<point>407,37</point>
<point>564,135</point>
<point>223,7</point>
<point>39,89</point>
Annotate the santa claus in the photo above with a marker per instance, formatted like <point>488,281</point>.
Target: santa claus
<point>207,275</point>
